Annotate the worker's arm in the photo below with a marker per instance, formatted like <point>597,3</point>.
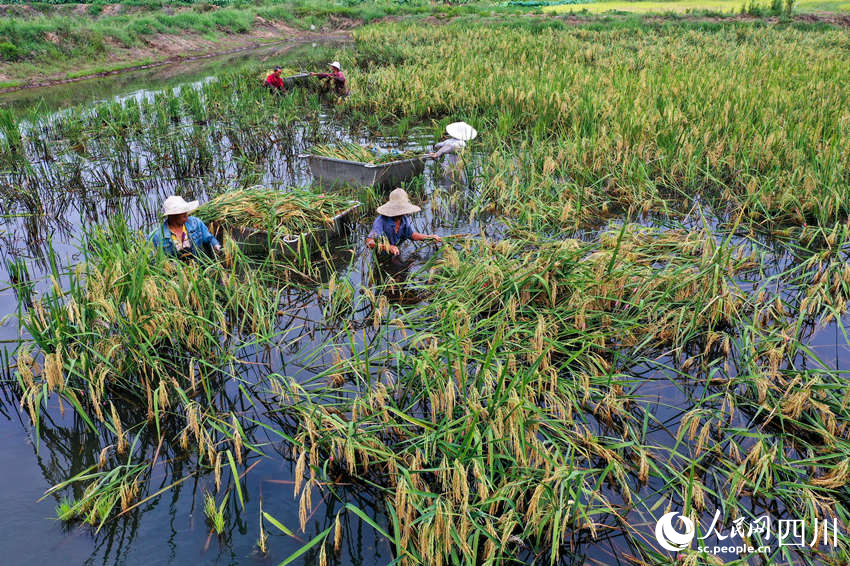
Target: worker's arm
<point>155,237</point>
<point>383,246</point>
<point>417,237</point>
<point>375,232</point>
<point>445,147</point>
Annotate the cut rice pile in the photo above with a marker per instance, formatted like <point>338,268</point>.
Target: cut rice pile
<point>293,212</point>
<point>355,152</point>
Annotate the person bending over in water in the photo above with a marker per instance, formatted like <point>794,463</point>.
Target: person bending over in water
<point>274,82</point>
<point>337,77</point>
<point>454,140</point>
<point>393,225</point>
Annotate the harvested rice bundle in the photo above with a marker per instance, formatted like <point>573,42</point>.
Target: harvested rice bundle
<point>127,312</point>
<point>356,152</point>
<point>290,212</point>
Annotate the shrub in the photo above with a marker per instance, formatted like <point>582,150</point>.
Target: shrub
<point>9,51</point>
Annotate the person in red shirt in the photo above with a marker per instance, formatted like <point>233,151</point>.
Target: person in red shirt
<point>336,75</point>
<point>274,82</point>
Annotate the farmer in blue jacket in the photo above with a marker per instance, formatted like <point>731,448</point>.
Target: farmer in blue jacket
<point>182,235</point>
<point>390,229</point>
<point>393,226</point>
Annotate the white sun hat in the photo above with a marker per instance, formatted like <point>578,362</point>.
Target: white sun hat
<point>398,204</point>
<point>461,131</point>
<point>176,205</point>
<point>335,65</point>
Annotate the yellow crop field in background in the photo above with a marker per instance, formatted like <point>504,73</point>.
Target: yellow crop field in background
<point>685,6</point>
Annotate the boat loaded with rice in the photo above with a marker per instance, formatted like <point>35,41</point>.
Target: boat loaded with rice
<point>352,164</point>
<point>261,219</point>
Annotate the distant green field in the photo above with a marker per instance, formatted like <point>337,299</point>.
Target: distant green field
<point>682,6</point>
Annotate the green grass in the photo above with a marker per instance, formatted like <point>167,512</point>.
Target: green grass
<point>42,37</point>
<point>12,84</point>
<point>215,513</point>
<point>820,6</point>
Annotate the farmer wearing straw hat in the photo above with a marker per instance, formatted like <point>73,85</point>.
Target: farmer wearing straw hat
<point>458,134</point>
<point>182,235</point>
<point>336,75</point>
<point>393,224</point>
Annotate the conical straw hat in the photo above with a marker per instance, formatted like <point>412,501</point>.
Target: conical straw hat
<point>398,204</point>
<point>461,131</point>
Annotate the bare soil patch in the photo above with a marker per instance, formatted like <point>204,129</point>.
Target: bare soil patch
<point>17,11</point>
<point>111,10</point>
<point>842,20</point>
<point>336,22</point>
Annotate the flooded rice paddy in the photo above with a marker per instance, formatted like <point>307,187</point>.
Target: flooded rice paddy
<point>172,529</point>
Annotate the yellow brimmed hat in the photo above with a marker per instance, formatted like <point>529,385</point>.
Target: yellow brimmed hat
<point>398,204</point>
